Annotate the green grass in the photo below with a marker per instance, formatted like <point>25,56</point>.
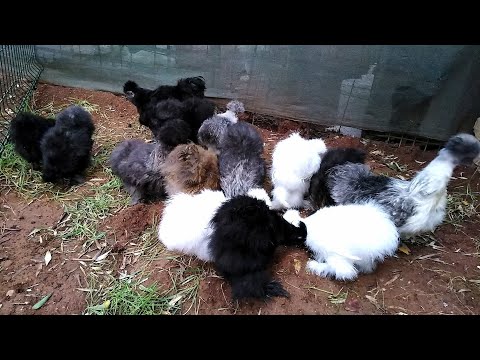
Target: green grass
<point>185,276</point>
<point>126,294</point>
<point>149,247</point>
<point>125,297</point>
<point>88,212</point>
<point>186,280</point>
<point>100,155</point>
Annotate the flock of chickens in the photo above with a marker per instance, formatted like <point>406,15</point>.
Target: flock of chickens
<point>209,167</point>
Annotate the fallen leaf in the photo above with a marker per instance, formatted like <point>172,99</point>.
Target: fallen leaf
<point>48,257</point>
<point>10,293</point>
<point>39,304</point>
<point>404,248</point>
<point>103,256</point>
<point>297,264</point>
<point>352,305</point>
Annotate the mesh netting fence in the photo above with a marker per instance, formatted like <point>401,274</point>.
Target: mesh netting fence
<point>19,74</point>
<point>418,90</point>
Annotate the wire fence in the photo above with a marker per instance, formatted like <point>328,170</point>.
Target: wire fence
<point>19,74</point>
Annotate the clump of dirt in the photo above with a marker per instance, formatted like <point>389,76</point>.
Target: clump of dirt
<point>288,127</point>
<point>343,141</point>
<point>131,222</point>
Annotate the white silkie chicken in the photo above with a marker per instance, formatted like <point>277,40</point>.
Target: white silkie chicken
<point>343,241</point>
<point>294,161</point>
<point>184,226</point>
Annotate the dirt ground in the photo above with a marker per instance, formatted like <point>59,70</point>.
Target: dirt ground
<point>436,274</point>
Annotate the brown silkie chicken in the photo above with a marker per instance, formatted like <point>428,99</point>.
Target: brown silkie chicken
<point>189,168</point>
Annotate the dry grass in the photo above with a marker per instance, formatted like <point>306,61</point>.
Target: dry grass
<point>51,110</point>
<point>462,205</point>
<point>85,215</point>
<point>17,174</point>
<point>125,294</point>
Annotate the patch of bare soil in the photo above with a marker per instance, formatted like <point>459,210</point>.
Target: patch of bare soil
<point>440,276</point>
<point>131,222</point>
<point>25,278</point>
